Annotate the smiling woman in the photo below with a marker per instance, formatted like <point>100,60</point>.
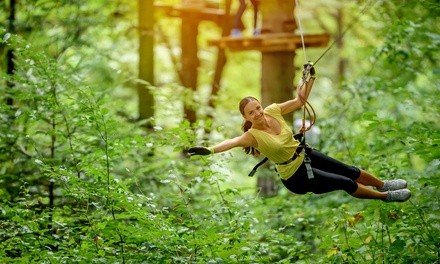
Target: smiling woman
<point>301,168</point>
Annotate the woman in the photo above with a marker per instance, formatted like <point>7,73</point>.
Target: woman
<point>266,132</point>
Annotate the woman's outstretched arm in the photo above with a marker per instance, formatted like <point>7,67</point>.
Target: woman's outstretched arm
<point>245,140</point>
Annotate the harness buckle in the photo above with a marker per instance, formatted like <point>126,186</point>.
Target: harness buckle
<point>307,162</point>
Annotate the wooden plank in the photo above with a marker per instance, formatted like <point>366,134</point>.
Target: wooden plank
<point>271,42</point>
<point>215,15</point>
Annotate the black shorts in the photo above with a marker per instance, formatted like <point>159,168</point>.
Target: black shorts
<point>329,175</point>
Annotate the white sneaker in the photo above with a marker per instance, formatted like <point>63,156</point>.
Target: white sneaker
<point>392,185</point>
<point>398,195</point>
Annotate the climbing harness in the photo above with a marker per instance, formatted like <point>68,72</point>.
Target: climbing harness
<point>302,148</point>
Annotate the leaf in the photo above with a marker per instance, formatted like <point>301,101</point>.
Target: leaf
<point>362,249</point>
<point>6,37</point>
<point>368,239</point>
<point>369,116</point>
<point>39,162</point>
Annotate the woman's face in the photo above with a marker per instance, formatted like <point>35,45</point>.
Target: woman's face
<point>253,112</point>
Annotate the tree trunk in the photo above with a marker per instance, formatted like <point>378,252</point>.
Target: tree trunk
<point>221,60</point>
<point>277,77</point>
<point>10,67</point>
<point>277,68</point>
<point>146,58</point>
<point>190,60</point>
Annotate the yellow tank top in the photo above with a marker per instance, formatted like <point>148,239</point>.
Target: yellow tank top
<point>278,148</point>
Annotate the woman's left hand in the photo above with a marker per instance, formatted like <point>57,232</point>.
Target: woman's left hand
<point>311,68</point>
<point>199,151</point>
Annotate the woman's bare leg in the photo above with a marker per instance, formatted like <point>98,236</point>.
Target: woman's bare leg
<point>364,192</point>
<point>369,179</point>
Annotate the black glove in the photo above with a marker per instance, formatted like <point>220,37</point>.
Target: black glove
<point>199,151</point>
<point>312,69</point>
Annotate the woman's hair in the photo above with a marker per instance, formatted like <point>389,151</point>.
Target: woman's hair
<point>247,124</point>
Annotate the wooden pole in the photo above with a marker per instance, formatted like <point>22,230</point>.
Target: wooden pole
<point>146,57</point>
<point>221,59</point>
<point>190,60</point>
<point>10,65</point>
<point>277,68</point>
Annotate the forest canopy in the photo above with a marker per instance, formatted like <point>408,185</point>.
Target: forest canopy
<point>86,180</point>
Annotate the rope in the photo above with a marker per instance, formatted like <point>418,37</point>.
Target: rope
<point>303,80</point>
<point>308,108</point>
<point>301,32</point>
<point>308,111</point>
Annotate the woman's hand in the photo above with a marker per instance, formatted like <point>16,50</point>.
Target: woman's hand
<point>199,151</point>
<point>309,66</point>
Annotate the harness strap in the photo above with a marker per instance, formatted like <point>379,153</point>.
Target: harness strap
<point>254,170</point>
<point>295,155</point>
<point>307,159</point>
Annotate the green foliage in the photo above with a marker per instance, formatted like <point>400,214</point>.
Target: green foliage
<point>391,115</point>
<point>82,183</point>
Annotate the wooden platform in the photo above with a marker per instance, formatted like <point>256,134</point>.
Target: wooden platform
<point>215,15</point>
<point>271,42</point>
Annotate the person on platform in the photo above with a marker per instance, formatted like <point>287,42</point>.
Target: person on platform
<point>236,32</point>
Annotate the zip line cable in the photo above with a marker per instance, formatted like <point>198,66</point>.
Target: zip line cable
<point>352,23</point>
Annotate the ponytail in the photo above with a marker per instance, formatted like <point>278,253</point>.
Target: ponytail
<point>249,150</point>
<point>246,125</point>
